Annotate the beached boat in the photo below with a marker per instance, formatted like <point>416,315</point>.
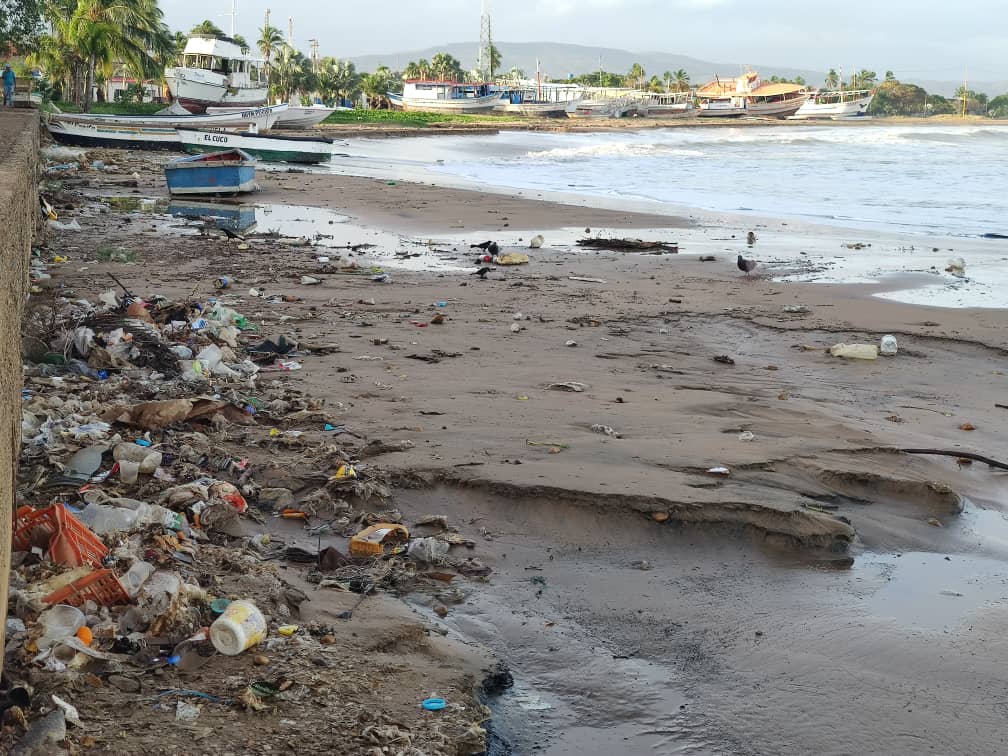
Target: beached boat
<point>606,107</point>
<point>533,98</point>
<point>274,148</point>
<point>226,172</point>
<point>112,135</point>
<point>667,105</point>
<point>217,72</point>
<point>262,119</point>
<point>842,103</point>
<point>445,97</point>
<point>294,117</point>
<point>747,95</point>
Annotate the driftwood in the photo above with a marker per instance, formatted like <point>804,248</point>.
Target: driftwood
<point>959,455</point>
<point>633,245</point>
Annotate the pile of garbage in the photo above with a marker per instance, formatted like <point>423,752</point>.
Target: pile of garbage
<point>141,543</point>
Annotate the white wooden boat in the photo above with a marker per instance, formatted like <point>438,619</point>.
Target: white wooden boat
<point>444,97</point>
<point>294,117</point>
<point>114,135</point>
<point>667,105</point>
<point>535,99</point>
<point>268,147</point>
<point>217,72</point>
<point>262,119</point>
<point>834,104</point>
<point>747,95</point>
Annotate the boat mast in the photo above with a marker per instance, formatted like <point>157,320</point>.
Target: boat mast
<point>234,17</point>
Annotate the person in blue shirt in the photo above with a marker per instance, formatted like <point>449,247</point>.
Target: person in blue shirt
<point>8,85</point>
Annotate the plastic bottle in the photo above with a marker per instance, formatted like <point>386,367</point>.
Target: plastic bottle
<point>59,622</point>
<point>240,627</point>
<point>855,351</point>
<point>193,652</point>
<point>888,346</point>
<point>136,576</point>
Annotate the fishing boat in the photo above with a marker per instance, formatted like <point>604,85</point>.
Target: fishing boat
<point>444,97</point>
<point>294,117</point>
<point>667,105</point>
<point>226,172</point>
<point>604,107</point>
<point>536,99</point>
<point>835,104</point>
<point>273,148</point>
<point>217,72</point>
<point>747,95</point>
<point>112,135</point>
<point>262,119</point>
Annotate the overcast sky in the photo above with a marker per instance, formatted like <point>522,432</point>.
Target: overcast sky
<point>916,38</point>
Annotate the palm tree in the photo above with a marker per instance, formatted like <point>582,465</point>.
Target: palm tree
<point>270,40</point>
<point>239,40</point>
<point>637,76</point>
<point>445,67</point>
<point>207,29</point>
<point>131,31</point>
<point>682,81</point>
<point>832,80</point>
<point>377,85</point>
<point>291,74</point>
<point>495,59</point>
<point>338,80</point>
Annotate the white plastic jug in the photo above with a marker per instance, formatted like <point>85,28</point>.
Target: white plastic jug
<point>240,627</point>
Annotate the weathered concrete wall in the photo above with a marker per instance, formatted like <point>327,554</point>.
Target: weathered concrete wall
<point>19,215</point>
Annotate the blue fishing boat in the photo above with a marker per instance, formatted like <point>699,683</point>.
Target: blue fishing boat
<point>226,172</point>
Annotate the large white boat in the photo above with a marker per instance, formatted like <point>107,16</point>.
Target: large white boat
<point>217,72</point>
<point>445,97</point>
<point>667,105</point>
<point>533,98</point>
<point>837,103</point>
<point>747,95</point>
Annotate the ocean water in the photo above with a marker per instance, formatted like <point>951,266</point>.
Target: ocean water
<point>945,180</point>
<point>923,194</point>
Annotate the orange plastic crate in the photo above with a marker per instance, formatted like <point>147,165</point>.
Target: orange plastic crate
<point>101,586</point>
<point>70,541</point>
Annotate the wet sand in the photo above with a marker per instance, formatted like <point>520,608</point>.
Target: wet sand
<point>749,617</point>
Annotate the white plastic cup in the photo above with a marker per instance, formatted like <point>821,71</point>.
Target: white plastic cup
<point>240,627</point>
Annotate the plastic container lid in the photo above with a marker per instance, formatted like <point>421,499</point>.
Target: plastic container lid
<point>434,704</point>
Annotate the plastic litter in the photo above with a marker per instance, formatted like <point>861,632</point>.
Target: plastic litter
<point>434,704</point>
<point>429,550</point>
<point>240,627</point>
<point>371,541</point>
<point>855,351</point>
<point>888,346</point>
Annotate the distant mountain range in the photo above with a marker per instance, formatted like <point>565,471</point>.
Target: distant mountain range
<point>558,60</point>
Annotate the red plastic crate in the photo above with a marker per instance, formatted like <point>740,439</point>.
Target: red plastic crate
<point>101,586</point>
<point>69,541</point>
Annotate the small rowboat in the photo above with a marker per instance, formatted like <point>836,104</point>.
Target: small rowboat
<point>287,149</point>
<point>226,172</point>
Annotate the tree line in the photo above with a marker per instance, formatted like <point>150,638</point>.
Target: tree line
<point>82,43</point>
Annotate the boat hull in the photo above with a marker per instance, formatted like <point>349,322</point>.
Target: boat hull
<point>189,179</point>
<point>781,109</point>
<point>834,110</point>
<point>460,106</point>
<point>268,148</point>
<point>652,111</point>
<point>294,117</point>
<point>535,109</point>
<point>261,119</point>
<point>116,137</point>
<point>196,89</point>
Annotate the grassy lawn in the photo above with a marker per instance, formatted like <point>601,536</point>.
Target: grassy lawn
<point>115,108</point>
<point>403,118</point>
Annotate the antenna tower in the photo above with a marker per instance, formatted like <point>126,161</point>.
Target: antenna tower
<point>486,43</point>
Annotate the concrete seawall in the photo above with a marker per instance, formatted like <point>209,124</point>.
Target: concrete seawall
<point>19,222</point>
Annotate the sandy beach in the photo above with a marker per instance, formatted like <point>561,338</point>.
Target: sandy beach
<point>822,592</point>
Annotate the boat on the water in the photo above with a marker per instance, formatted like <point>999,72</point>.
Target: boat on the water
<point>294,117</point>
<point>217,72</point>
<point>747,95</point>
<point>836,103</point>
<point>226,172</point>
<point>667,105</point>
<point>269,147</point>
<point>444,97</point>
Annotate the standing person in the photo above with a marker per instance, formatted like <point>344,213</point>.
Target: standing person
<point>8,85</point>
